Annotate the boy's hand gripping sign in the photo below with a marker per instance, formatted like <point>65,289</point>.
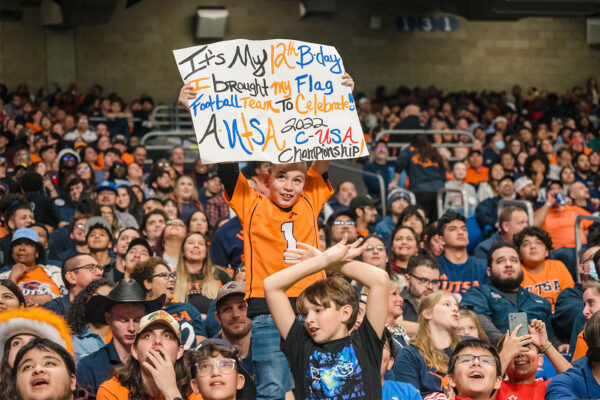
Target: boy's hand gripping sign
<point>270,100</point>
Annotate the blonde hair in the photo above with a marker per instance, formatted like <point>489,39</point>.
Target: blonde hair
<point>422,340</point>
<point>473,317</point>
<point>208,284</point>
<point>592,285</point>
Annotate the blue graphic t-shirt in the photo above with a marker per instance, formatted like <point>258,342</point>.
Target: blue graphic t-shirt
<point>190,323</point>
<point>346,368</point>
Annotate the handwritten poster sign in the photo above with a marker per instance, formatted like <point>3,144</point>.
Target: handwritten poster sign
<point>272,100</point>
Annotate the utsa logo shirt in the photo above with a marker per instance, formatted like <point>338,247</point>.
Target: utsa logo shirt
<point>190,323</point>
<point>550,282</point>
<point>269,230</point>
<point>458,278</point>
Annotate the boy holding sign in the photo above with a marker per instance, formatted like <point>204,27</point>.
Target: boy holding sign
<point>271,225</point>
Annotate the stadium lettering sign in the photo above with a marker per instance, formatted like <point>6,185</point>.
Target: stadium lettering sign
<point>272,100</point>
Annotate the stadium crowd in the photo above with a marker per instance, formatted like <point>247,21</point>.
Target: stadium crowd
<point>124,275</point>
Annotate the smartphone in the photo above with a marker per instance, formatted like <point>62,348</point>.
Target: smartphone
<point>515,319</point>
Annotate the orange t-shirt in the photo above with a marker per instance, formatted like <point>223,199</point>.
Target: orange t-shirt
<point>581,347</point>
<point>128,158</point>
<point>477,177</point>
<point>36,283</point>
<point>550,282</point>
<point>113,390</point>
<point>269,230</point>
<point>522,391</point>
<point>559,224</point>
<point>35,158</point>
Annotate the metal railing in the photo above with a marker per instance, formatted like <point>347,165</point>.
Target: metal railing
<point>400,132</point>
<point>366,173</point>
<point>166,140</point>
<point>519,203</point>
<point>175,117</point>
<point>578,237</point>
<point>440,200</point>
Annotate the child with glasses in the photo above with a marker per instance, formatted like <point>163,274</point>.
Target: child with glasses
<point>216,372</point>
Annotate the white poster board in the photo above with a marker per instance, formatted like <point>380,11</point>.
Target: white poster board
<point>270,100</point>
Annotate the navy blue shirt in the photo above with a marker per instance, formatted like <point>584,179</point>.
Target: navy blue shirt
<point>458,278</point>
<point>94,369</point>
<point>411,367</point>
<point>227,245</point>
<point>575,383</point>
<point>490,301</point>
<point>59,305</point>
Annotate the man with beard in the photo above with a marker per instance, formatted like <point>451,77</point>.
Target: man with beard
<point>526,190</point>
<point>235,325</point>
<point>581,162</point>
<point>161,183</point>
<point>504,295</point>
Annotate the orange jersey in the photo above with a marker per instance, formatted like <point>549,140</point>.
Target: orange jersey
<point>269,230</point>
<point>475,177</point>
<point>550,282</point>
<point>559,224</point>
<point>581,347</point>
<point>113,390</point>
<point>37,282</point>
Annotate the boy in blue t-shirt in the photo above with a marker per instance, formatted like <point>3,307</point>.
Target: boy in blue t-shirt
<point>392,390</point>
<point>458,271</point>
<point>326,360</point>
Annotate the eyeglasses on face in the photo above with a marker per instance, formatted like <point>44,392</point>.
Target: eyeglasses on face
<point>164,164</point>
<point>427,282</point>
<point>90,267</point>
<point>175,222</point>
<point>338,223</point>
<point>225,365</point>
<point>166,275</point>
<point>378,248</point>
<point>469,359</point>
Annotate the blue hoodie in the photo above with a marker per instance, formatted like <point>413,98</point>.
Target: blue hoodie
<point>576,383</point>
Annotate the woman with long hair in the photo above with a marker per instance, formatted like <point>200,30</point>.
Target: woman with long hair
<point>198,281</point>
<point>186,196</point>
<point>127,202</point>
<point>87,337</point>
<point>86,173</point>
<point>488,189</point>
<point>469,325</point>
<point>375,253</point>
<point>168,245</point>
<point>429,351</point>
<point>11,296</point>
<point>198,222</point>
<point>404,245</point>
<point>426,170</point>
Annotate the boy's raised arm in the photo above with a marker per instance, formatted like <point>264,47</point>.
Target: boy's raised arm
<point>378,283</point>
<point>276,284</point>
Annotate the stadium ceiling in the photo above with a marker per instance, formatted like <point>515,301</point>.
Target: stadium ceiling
<point>85,12</point>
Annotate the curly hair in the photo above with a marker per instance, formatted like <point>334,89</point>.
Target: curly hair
<point>143,271</point>
<point>75,317</point>
<point>536,232</point>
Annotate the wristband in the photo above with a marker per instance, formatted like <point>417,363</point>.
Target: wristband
<point>546,348</point>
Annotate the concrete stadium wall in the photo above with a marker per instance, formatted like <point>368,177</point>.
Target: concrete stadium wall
<point>132,54</point>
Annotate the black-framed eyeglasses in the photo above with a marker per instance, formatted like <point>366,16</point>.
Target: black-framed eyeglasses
<point>90,267</point>
<point>166,275</point>
<point>426,282</point>
<point>225,365</point>
<point>469,359</point>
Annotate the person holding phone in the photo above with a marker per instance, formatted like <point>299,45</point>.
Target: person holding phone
<point>504,295</point>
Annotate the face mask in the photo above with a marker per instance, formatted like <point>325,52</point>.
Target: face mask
<point>499,144</point>
<point>593,272</point>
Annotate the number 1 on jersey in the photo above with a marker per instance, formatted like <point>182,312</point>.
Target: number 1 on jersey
<point>288,233</point>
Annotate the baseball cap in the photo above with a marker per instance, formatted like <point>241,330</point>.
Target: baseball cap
<point>229,289</point>
<point>159,317</point>
<point>106,185</point>
<point>98,222</point>
<point>474,151</point>
<point>26,233</point>
<point>139,241</point>
<point>361,201</point>
<point>522,182</point>
<point>505,177</point>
